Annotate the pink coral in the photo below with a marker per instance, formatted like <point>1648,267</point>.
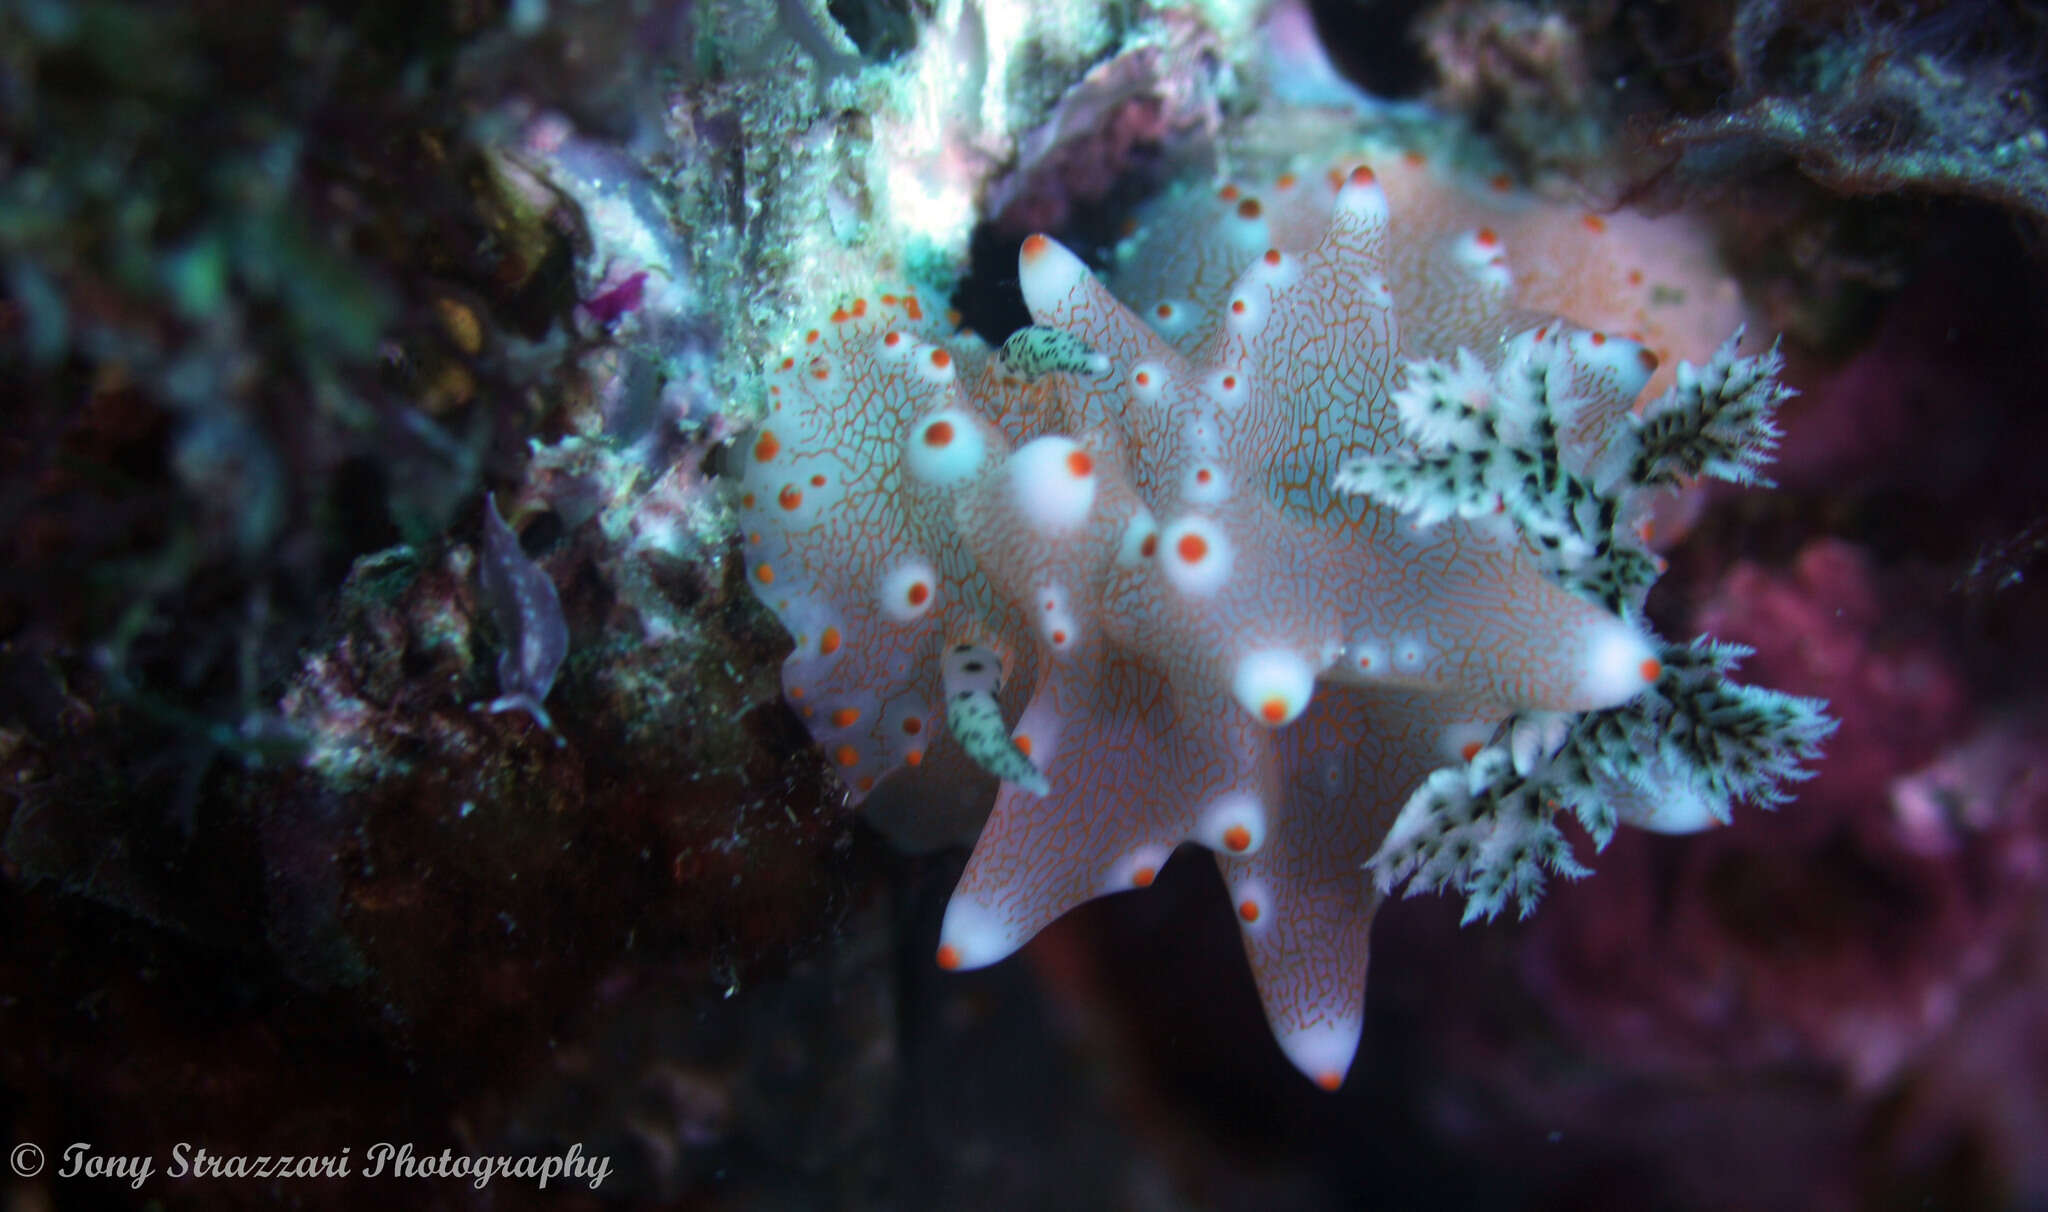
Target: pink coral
<point>1109,565</point>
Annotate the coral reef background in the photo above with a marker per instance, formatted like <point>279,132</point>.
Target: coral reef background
<point>282,300</point>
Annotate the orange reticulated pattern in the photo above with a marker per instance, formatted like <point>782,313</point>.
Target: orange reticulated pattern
<point>1201,641</point>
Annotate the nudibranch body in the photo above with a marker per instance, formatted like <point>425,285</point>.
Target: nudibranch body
<point>1108,563</point>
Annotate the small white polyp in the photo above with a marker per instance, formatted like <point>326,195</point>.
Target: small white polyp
<point>1273,685</point>
<point>1052,482</point>
<point>1616,660</point>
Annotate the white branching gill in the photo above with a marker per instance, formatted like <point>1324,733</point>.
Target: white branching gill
<point>1716,421</point>
<point>1678,756</point>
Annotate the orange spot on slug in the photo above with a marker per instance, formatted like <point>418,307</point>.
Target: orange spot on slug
<point>938,435</point>
<point>1143,877</point>
<point>846,717</point>
<point>1080,463</point>
<point>846,755</point>
<point>1651,670</point>
<point>1193,548</point>
<point>828,643</point>
<point>1249,911</point>
<point>949,956</point>
<point>767,446</point>
<point>1238,838</point>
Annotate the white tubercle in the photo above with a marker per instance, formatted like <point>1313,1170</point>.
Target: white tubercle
<point>1052,482</point>
<point>974,935</point>
<point>944,448</point>
<point>1233,824</point>
<point>1273,685</point>
<point>907,591</point>
<point>1618,665</point>
<point>1323,1050</point>
<point>1048,273</point>
<point>1194,555</point>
